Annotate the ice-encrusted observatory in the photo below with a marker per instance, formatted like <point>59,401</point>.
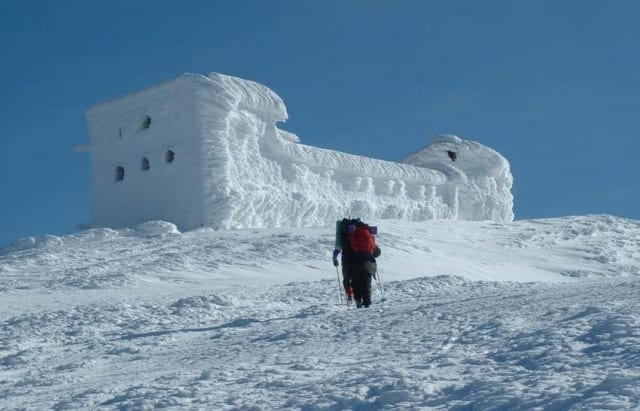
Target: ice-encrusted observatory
<point>207,151</point>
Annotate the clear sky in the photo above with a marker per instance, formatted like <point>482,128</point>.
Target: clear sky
<point>552,85</point>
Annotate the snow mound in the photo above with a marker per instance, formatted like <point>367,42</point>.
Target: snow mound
<point>157,228</point>
<point>46,241</point>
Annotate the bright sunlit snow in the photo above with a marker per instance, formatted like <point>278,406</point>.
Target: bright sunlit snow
<point>540,314</point>
<point>470,311</point>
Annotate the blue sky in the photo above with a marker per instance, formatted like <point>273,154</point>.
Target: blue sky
<point>552,85</point>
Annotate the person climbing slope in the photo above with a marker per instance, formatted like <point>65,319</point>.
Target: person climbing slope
<point>357,242</point>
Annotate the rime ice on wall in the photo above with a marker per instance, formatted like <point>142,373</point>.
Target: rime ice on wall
<point>486,180</point>
<point>235,168</point>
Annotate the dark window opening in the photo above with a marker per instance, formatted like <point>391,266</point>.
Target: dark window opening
<point>119,173</point>
<point>120,132</point>
<point>169,156</point>
<point>145,163</point>
<point>146,123</point>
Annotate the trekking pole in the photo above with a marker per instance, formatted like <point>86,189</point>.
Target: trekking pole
<point>380,285</point>
<point>339,286</point>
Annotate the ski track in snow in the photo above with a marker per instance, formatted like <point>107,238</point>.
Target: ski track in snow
<point>249,319</point>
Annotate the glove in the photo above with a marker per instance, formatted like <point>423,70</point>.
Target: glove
<point>335,257</point>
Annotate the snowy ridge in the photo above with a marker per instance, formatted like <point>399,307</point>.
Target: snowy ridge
<point>550,250</point>
<point>484,315</point>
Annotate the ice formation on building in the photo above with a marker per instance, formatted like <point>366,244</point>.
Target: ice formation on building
<point>206,151</point>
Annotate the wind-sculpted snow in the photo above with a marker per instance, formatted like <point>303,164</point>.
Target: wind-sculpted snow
<point>540,314</point>
<point>238,94</point>
<point>484,175</point>
<point>266,178</point>
<point>232,167</point>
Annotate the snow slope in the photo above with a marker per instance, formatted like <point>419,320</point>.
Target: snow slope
<point>540,314</point>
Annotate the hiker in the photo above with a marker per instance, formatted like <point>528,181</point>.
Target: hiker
<point>357,242</point>
<point>342,245</point>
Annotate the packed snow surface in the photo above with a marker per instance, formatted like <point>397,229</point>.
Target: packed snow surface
<point>539,314</point>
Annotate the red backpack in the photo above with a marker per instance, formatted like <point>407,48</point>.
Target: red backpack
<point>362,240</point>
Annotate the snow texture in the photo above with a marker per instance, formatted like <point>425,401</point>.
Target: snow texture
<point>540,314</point>
<point>234,168</point>
<point>484,175</point>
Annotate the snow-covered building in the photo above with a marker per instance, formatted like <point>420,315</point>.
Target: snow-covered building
<point>206,151</point>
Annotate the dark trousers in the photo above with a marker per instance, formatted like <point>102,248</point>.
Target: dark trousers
<point>346,271</point>
<point>361,275</point>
